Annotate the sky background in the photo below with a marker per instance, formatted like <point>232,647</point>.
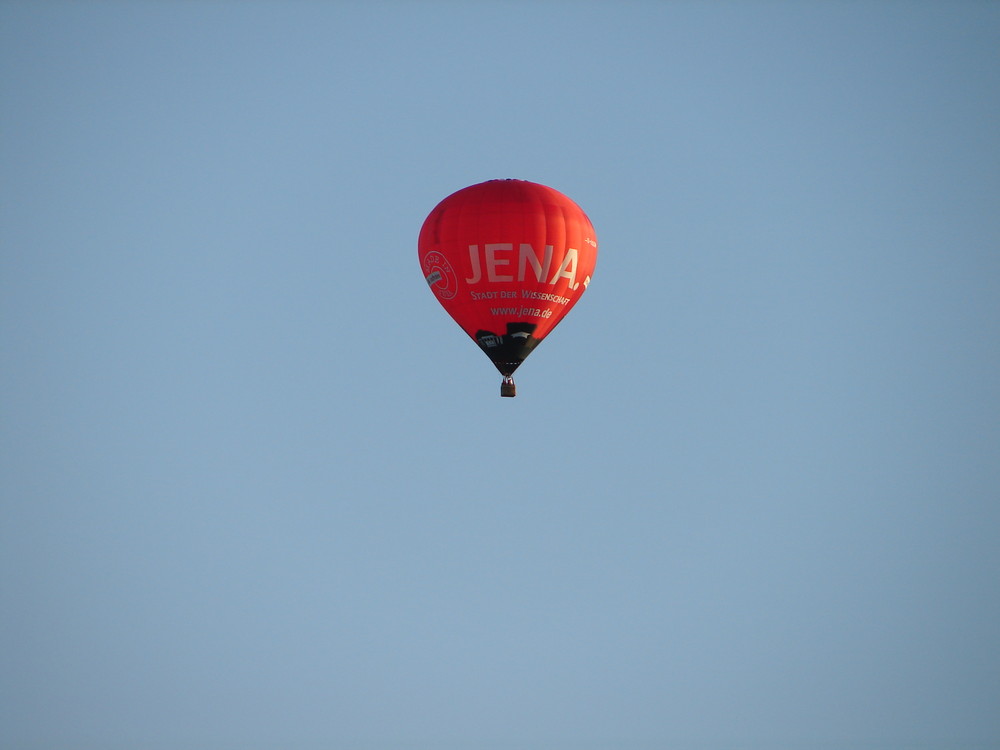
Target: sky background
<point>259,492</point>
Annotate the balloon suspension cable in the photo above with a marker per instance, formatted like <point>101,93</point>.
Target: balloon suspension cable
<point>507,389</point>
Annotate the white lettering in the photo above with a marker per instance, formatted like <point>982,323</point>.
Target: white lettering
<point>528,256</point>
<point>567,269</point>
<point>477,273</point>
<point>499,265</point>
<point>492,261</point>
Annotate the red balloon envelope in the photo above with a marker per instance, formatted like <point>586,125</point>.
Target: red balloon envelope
<point>507,259</point>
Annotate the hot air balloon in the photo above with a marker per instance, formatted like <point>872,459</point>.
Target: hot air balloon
<point>507,259</point>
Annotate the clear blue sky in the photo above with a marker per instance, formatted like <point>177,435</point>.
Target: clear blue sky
<point>260,493</point>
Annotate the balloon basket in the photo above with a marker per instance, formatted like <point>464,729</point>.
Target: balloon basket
<point>507,389</point>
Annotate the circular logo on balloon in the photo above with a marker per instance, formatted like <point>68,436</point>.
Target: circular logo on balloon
<point>440,276</point>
